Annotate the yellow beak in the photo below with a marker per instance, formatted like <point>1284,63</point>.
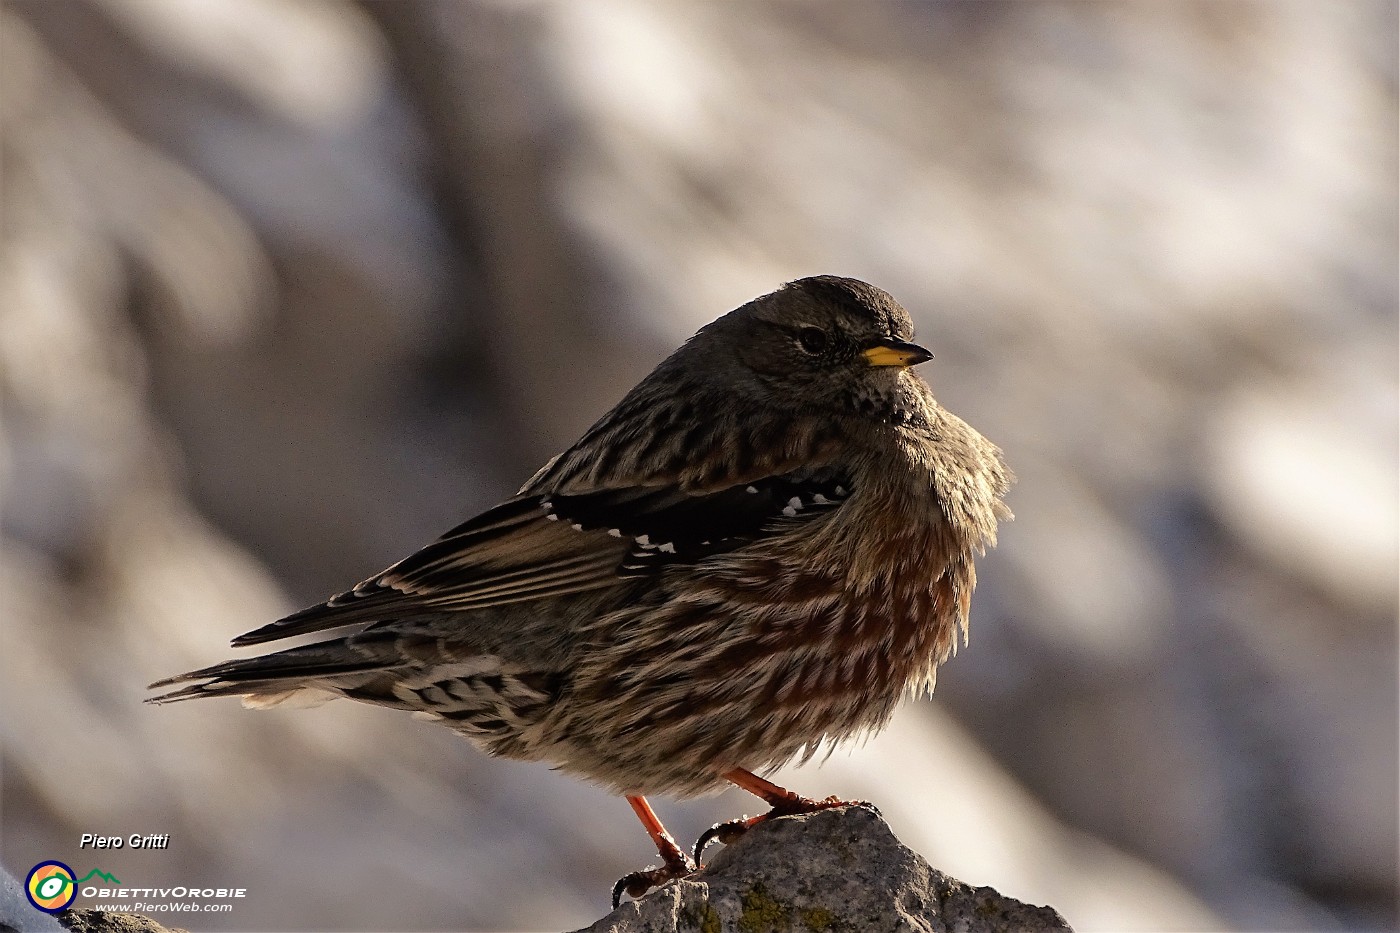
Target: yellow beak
<point>895,353</point>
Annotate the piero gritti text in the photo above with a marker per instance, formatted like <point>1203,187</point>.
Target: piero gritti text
<point>134,841</point>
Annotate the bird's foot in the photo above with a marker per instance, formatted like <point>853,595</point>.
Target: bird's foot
<point>640,882</point>
<point>725,833</point>
<point>730,830</point>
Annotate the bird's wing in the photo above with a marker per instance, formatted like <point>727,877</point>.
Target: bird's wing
<point>664,525</point>
<point>506,554</point>
<point>538,546</point>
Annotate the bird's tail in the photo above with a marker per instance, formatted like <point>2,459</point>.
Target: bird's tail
<point>303,676</point>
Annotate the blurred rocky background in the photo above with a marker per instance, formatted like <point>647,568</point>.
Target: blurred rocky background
<point>288,288</point>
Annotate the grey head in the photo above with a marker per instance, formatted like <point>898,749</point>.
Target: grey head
<point>824,344</point>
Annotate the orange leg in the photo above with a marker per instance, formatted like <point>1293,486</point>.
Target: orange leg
<point>675,863</point>
<point>783,801</point>
<point>665,844</point>
<point>767,791</point>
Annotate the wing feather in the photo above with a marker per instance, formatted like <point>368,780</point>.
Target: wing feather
<point>582,525</point>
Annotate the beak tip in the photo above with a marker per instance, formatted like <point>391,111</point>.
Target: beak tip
<point>897,353</point>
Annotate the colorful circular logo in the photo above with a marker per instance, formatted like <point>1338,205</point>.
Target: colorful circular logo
<point>50,887</point>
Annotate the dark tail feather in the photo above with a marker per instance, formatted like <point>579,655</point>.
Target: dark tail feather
<point>277,673</point>
<point>218,688</point>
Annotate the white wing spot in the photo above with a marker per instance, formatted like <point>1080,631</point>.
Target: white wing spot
<point>615,532</point>
<point>790,512</point>
<point>667,548</point>
<point>840,490</point>
<point>644,541</point>
<point>576,526</point>
<point>552,517</point>
<point>820,499</point>
<point>751,489</point>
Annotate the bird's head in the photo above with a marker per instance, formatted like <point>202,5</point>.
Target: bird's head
<point>824,343</point>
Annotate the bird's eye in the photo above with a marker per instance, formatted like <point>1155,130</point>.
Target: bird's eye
<point>813,339</point>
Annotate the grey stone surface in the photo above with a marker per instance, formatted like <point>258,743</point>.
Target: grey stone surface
<point>15,911</point>
<point>825,872</point>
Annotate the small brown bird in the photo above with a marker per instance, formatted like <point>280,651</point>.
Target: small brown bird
<point>766,543</point>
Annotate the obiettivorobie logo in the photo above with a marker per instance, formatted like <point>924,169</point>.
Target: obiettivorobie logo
<point>51,886</point>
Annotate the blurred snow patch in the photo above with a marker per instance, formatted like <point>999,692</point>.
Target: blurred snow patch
<point>1305,474</point>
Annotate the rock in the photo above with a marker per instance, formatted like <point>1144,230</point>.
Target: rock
<point>16,915</point>
<point>825,872</point>
<point>107,921</point>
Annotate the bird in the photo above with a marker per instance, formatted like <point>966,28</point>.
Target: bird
<point>762,548</point>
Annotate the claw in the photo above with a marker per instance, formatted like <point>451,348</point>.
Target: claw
<point>640,882</point>
<point>724,833</point>
<point>730,830</point>
<point>674,863</point>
